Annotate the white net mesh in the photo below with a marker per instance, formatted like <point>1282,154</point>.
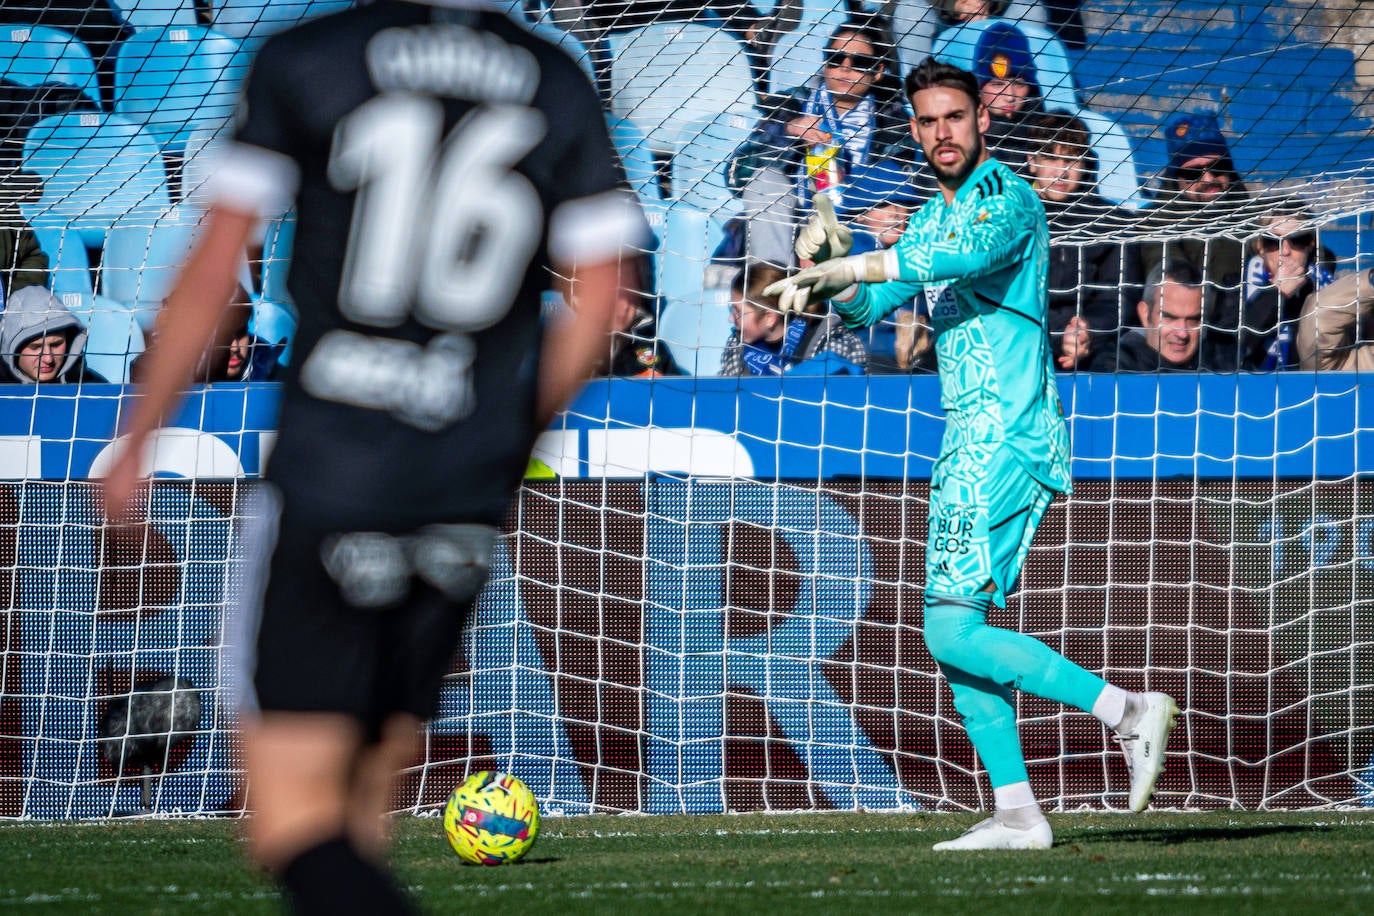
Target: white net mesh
<point>712,601</point>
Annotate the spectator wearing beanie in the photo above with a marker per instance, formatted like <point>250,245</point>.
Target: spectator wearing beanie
<point>1010,90</point>
<point>1203,211</point>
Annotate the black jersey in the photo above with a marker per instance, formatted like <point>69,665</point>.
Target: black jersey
<point>438,158</point>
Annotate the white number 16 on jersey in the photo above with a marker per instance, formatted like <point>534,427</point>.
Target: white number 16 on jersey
<point>451,228</point>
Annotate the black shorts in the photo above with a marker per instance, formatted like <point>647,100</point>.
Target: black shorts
<point>340,630</point>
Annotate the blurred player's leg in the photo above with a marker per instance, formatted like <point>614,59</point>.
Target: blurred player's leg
<point>300,767</point>
<point>373,781</point>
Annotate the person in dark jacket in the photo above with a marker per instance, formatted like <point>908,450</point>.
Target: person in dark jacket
<point>1290,270</point>
<point>1172,336</point>
<point>41,341</point>
<point>23,262</point>
<point>812,139</point>
<point>238,355</point>
<point>1088,280</point>
<point>1204,209</point>
<point>635,349</point>
<point>1009,86</point>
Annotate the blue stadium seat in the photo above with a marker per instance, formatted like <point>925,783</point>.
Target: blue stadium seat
<point>32,55</point>
<point>69,264</point>
<point>252,21</point>
<point>914,25</point>
<point>699,167</point>
<point>142,258</point>
<point>689,237</point>
<point>637,159</point>
<point>958,45</point>
<point>176,80</point>
<point>799,51</point>
<point>274,323</point>
<point>114,337</point>
<point>277,240</point>
<point>95,169</point>
<point>157,14</point>
<point>1118,178</point>
<point>667,75</point>
<point>695,333</point>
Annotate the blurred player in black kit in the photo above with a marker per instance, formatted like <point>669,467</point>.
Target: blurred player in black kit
<point>441,161</point>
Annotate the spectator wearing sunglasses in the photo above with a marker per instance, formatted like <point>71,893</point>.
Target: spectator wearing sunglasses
<point>1287,268</point>
<point>1203,206</point>
<point>810,140</point>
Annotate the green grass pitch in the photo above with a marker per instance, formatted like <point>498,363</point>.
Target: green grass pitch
<point>1159,862</point>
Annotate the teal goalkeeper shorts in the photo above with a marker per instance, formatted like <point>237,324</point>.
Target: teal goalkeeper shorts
<point>984,509</point>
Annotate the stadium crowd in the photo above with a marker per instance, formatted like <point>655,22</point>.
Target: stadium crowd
<point>1185,271</point>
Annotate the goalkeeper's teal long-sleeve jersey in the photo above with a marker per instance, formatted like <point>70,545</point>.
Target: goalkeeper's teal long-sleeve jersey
<point>981,264</point>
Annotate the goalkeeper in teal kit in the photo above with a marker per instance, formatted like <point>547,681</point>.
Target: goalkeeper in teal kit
<point>978,254</point>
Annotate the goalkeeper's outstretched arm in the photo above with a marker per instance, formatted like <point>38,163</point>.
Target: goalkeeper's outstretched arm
<point>862,288</point>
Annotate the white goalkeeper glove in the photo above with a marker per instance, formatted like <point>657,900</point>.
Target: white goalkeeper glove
<point>822,238</point>
<point>826,281</point>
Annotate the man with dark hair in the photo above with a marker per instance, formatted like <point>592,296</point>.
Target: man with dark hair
<point>977,252</point>
<point>1088,280</point>
<point>1172,336</point>
<point>442,161</point>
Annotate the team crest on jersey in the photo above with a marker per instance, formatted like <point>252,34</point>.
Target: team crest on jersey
<point>646,356</point>
<point>982,217</point>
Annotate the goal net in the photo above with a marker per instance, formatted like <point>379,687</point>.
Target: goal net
<point>709,593</point>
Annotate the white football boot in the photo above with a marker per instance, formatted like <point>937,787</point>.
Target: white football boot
<point>994,834</point>
<point>1143,744</point>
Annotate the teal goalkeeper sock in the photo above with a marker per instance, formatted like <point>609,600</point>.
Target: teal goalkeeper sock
<point>958,635</point>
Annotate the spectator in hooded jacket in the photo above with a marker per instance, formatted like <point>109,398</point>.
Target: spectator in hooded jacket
<point>1089,282</point>
<point>41,341</point>
<point>1010,89</point>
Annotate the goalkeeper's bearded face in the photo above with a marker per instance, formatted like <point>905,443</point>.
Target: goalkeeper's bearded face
<point>949,126</point>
